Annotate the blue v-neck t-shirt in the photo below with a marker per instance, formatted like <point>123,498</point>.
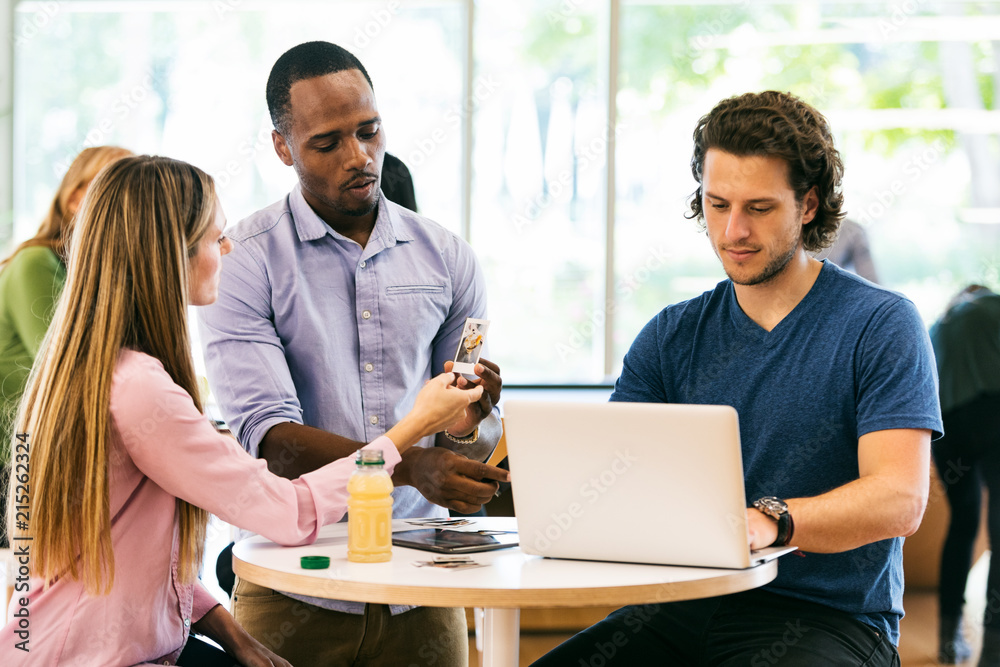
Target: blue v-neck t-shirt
<point>851,358</point>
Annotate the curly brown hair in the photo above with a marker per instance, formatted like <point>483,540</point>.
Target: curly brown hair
<point>777,124</point>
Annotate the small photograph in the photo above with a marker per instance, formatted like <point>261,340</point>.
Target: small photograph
<point>471,345</point>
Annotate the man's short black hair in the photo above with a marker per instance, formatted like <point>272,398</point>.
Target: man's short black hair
<point>305,61</point>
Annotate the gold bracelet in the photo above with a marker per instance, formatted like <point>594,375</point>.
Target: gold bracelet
<point>464,441</point>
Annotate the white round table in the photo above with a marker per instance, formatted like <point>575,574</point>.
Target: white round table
<point>511,580</point>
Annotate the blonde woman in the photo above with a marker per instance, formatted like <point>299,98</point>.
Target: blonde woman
<point>30,281</point>
<point>123,468</point>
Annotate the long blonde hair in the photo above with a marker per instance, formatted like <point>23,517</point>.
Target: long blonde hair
<point>127,287</point>
<point>57,226</point>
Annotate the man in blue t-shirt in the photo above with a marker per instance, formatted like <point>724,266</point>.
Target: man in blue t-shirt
<point>834,382</point>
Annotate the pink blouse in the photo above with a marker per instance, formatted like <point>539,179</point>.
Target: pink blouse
<point>163,449</point>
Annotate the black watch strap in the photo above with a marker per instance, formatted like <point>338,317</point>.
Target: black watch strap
<point>785,529</point>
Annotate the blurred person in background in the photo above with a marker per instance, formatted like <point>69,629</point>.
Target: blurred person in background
<point>851,251</point>
<point>31,279</point>
<point>966,344</point>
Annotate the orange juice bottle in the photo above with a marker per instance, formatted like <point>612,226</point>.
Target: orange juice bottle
<point>369,510</point>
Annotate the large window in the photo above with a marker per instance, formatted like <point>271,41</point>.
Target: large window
<point>538,213</point>
<point>554,135</point>
<point>908,88</point>
<point>186,79</point>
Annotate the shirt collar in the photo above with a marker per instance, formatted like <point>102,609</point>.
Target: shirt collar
<point>391,227</point>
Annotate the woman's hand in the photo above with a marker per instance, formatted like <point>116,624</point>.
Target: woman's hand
<point>439,404</point>
<point>488,377</point>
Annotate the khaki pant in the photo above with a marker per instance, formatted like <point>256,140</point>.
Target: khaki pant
<point>309,636</point>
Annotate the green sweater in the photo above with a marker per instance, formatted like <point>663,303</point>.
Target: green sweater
<point>29,286</point>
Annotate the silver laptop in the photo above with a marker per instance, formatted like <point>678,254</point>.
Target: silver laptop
<point>630,482</point>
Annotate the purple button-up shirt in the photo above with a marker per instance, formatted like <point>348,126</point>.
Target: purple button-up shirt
<point>312,328</point>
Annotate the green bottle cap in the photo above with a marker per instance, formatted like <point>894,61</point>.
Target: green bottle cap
<point>314,562</point>
<point>370,457</point>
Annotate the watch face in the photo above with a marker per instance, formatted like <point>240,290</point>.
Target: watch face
<point>771,506</point>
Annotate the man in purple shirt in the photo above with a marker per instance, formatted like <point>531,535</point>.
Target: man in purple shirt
<point>335,306</point>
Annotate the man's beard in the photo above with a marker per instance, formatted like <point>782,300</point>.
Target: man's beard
<point>773,268</point>
<point>363,211</point>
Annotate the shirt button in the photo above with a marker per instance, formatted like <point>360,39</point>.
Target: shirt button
<point>374,419</point>
<point>362,265</point>
<point>187,622</point>
<point>369,368</point>
<point>367,314</point>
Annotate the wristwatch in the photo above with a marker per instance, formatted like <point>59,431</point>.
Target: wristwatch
<point>777,509</point>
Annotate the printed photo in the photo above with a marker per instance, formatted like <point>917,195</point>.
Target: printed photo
<point>471,345</point>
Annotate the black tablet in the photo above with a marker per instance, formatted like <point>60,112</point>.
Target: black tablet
<point>452,541</point>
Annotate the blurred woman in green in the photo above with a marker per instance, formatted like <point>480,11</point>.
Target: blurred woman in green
<point>31,279</point>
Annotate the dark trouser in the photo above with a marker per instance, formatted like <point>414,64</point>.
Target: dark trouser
<point>197,653</point>
<point>751,629</point>
<point>967,457</point>
<point>308,636</point>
